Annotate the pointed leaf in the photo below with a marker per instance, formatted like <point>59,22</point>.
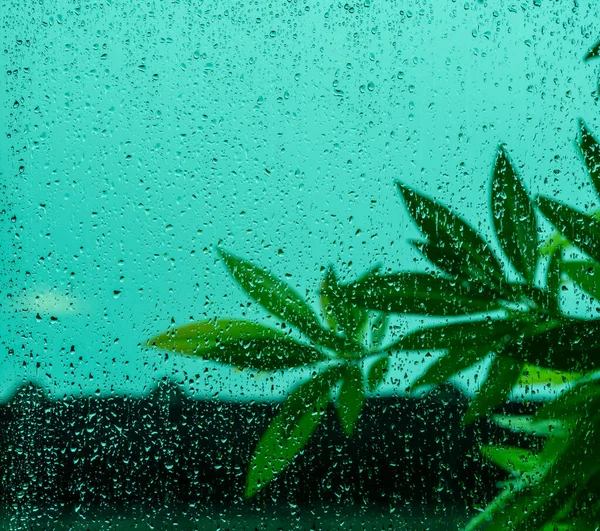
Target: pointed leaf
<point>511,458</point>
<point>570,345</point>
<point>238,343</point>
<point>447,366</point>
<point>486,334</point>
<point>442,256</point>
<point>344,316</point>
<point>553,279</point>
<point>438,224</point>
<point>586,274</point>
<point>281,300</point>
<point>514,217</point>
<point>291,429</point>
<point>572,405</point>
<point>529,425</point>
<point>540,501</point>
<point>379,329</point>
<point>590,151</point>
<point>577,227</point>
<point>501,378</point>
<point>377,372</point>
<point>421,294</point>
<point>535,375</point>
<point>351,398</point>
<point>491,509</point>
<point>593,52</point>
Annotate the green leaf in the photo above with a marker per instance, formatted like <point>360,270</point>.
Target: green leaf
<point>351,398</point>
<point>448,365</point>
<point>577,227</point>
<point>379,329</point>
<point>442,256</point>
<point>484,334</point>
<point>291,429</point>
<point>492,508</point>
<point>455,235</point>
<point>590,152</point>
<point>553,279</point>
<point>535,375</point>
<point>572,405</point>
<point>593,52</point>
<point>529,425</point>
<point>377,372</point>
<point>343,316</point>
<point>238,343</point>
<point>514,217</point>
<point>274,295</point>
<point>501,378</point>
<point>421,294</point>
<point>570,345</point>
<point>545,498</point>
<point>510,458</point>
<point>586,274</point>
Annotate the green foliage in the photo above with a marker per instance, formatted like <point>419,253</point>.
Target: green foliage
<point>337,351</point>
<point>506,308</point>
<point>514,218</point>
<point>291,429</point>
<point>559,486</point>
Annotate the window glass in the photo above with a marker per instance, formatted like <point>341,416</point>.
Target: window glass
<point>227,230</point>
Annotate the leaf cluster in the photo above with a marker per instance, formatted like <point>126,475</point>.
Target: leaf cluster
<point>342,349</point>
<point>505,301</point>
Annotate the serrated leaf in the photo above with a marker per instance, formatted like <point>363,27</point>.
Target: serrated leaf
<point>377,372</point>
<point>343,316</point>
<point>590,152</point>
<point>580,229</point>
<point>379,329</point>
<point>540,501</point>
<point>570,345</point>
<point>446,366</point>
<point>239,343</point>
<point>527,424</point>
<point>351,398</point>
<point>586,274</point>
<point>484,334</point>
<point>440,225</point>
<point>502,377</point>
<point>535,375</point>
<point>593,52</point>
<point>274,295</point>
<point>514,217</point>
<point>278,298</point>
<point>421,294</point>
<point>291,429</point>
<point>511,458</point>
<point>443,257</point>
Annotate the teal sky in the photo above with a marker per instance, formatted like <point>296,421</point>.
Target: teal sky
<point>139,135</point>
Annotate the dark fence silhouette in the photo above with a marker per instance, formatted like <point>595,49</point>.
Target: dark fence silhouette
<point>167,450</point>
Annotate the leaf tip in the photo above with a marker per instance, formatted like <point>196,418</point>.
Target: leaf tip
<point>469,418</point>
<point>403,189</point>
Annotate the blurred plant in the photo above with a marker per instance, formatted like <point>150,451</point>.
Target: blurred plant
<point>513,313</point>
<point>343,352</point>
<point>558,488</point>
<point>509,310</point>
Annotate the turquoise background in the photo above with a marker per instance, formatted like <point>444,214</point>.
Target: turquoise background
<point>141,135</point>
